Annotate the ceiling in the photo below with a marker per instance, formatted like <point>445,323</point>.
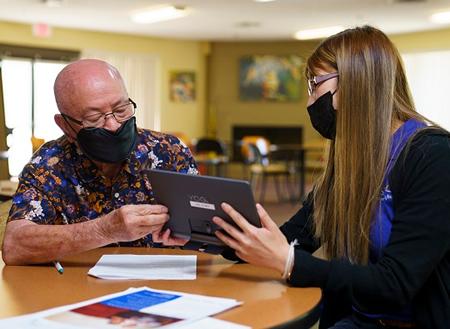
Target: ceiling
<point>229,19</point>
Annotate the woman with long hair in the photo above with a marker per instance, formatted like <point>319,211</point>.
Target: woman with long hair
<point>380,213</point>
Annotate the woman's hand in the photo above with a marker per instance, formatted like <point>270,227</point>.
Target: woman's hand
<point>166,239</point>
<point>265,246</point>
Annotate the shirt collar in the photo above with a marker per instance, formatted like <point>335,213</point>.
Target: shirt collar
<point>137,158</point>
<point>86,169</point>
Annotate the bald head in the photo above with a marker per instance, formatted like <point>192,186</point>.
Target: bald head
<point>88,84</point>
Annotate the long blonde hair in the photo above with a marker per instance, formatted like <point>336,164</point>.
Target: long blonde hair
<point>373,93</point>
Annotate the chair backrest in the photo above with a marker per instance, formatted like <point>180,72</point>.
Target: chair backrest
<point>255,149</point>
<point>206,145</point>
<point>36,143</point>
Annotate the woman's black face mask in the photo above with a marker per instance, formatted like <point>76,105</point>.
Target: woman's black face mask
<point>103,145</point>
<point>323,115</point>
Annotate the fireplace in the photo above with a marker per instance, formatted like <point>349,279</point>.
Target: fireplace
<point>275,134</point>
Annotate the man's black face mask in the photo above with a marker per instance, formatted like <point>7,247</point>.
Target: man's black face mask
<point>103,145</point>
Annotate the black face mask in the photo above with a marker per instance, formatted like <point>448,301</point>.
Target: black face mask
<point>105,146</point>
<point>323,115</point>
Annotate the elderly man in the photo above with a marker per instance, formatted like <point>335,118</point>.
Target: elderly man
<point>93,177</point>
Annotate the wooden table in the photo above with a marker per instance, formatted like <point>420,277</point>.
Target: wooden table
<point>268,301</point>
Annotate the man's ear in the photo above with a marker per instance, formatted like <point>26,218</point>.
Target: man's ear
<point>68,131</point>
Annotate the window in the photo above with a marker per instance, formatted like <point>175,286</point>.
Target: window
<point>429,78</point>
<point>28,74</point>
<point>17,95</point>
<point>29,106</point>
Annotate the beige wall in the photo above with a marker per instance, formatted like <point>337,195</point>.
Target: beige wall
<point>218,106</point>
<point>225,109</point>
<point>422,41</point>
<point>224,100</point>
<point>173,54</point>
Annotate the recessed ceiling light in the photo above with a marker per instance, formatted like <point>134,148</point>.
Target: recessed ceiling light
<point>158,14</point>
<point>317,33</point>
<point>441,18</point>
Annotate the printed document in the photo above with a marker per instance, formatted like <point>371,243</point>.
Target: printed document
<point>141,308</point>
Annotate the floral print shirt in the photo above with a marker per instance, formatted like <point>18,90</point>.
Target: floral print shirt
<point>60,185</point>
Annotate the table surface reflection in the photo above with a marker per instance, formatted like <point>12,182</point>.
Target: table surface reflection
<point>267,300</point>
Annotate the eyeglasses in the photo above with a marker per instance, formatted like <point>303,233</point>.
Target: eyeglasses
<point>317,80</point>
<point>120,113</point>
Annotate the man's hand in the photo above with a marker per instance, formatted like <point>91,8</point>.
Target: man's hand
<point>166,239</point>
<point>26,242</point>
<point>132,222</point>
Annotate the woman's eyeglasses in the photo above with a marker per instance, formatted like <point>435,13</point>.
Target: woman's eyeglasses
<point>317,80</point>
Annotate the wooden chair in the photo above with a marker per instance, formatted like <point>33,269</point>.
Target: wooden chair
<point>316,155</point>
<point>36,143</point>
<point>256,154</point>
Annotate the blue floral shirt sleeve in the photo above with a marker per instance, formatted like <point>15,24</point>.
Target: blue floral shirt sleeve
<point>31,200</point>
<point>60,185</point>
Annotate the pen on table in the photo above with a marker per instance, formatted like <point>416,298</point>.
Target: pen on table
<point>58,267</point>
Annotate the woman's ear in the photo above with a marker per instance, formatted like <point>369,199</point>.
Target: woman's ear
<point>68,131</point>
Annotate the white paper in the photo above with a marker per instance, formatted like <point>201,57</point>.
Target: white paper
<point>129,305</point>
<point>208,323</point>
<point>145,267</point>
<point>198,306</point>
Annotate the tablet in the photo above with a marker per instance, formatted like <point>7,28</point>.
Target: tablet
<point>194,200</point>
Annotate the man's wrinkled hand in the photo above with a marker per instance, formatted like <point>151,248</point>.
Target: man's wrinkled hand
<point>132,222</point>
<point>167,239</point>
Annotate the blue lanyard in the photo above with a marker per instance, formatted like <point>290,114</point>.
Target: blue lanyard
<point>380,230</point>
<point>399,140</point>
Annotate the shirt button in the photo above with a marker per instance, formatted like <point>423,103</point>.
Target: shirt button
<point>116,195</point>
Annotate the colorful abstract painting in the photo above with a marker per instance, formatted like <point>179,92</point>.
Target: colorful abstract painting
<point>270,78</point>
<point>182,86</point>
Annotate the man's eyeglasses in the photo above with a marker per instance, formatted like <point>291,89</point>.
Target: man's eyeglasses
<point>317,80</point>
<point>121,113</point>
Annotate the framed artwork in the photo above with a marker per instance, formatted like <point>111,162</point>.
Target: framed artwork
<point>270,78</point>
<point>182,86</point>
